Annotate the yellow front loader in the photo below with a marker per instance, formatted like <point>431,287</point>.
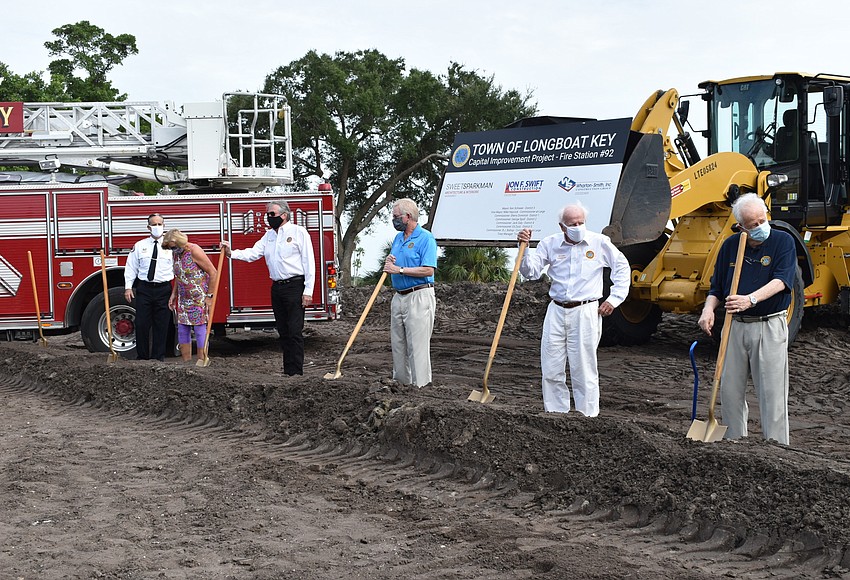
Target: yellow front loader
<point>783,137</point>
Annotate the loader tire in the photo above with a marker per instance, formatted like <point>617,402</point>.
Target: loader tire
<point>795,310</point>
<point>630,324</point>
<point>123,318</point>
<point>633,322</point>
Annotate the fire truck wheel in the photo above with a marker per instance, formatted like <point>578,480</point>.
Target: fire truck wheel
<point>123,319</point>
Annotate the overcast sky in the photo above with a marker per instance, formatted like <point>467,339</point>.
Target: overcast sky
<point>584,59</point>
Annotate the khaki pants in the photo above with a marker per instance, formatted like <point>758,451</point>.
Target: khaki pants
<point>411,326</point>
<point>760,348</point>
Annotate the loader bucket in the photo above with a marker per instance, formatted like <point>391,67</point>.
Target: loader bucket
<point>642,202</point>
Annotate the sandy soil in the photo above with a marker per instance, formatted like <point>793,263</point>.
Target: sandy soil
<point>148,470</point>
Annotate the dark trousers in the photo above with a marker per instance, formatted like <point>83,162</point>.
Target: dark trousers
<point>152,319</point>
<point>289,320</point>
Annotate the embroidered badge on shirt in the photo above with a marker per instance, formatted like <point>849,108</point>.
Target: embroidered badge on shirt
<point>410,246</point>
<point>589,254</point>
<point>289,240</point>
<point>765,260</point>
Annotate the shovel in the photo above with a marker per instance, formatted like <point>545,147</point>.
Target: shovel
<point>484,396</point>
<point>338,373</point>
<point>43,340</point>
<point>711,431</point>
<point>113,356</point>
<point>696,380</point>
<point>205,362</point>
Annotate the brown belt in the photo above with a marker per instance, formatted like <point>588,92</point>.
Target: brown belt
<point>573,304</point>
<point>415,288</point>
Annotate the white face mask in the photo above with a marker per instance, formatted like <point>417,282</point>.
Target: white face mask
<point>760,233</point>
<point>157,231</point>
<point>575,233</point>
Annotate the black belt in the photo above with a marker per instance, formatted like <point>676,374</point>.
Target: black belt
<point>288,280</point>
<point>415,288</point>
<point>574,304</point>
<point>743,318</point>
<point>153,284</point>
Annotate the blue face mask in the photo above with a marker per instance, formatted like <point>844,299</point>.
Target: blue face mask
<point>760,233</point>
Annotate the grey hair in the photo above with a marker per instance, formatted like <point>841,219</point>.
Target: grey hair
<point>284,208</point>
<point>577,205</point>
<point>408,206</point>
<point>746,200</point>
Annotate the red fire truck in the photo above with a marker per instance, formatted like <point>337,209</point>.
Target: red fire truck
<point>220,164</point>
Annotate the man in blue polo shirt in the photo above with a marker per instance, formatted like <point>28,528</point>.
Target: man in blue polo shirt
<point>758,337</point>
<point>412,261</point>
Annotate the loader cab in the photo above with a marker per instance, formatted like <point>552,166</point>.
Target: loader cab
<point>791,124</point>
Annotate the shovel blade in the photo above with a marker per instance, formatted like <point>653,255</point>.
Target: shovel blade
<point>481,397</point>
<point>331,376</point>
<point>112,357</point>
<point>203,362</point>
<point>706,431</point>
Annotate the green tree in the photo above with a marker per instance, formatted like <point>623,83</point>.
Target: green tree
<point>30,87</point>
<point>380,132</point>
<point>461,263</point>
<point>84,47</point>
<point>88,48</point>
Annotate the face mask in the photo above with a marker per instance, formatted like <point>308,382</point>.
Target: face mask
<point>398,223</point>
<point>157,231</point>
<point>575,233</point>
<point>760,233</point>
<point>177,250</point>
<point>275,221</point>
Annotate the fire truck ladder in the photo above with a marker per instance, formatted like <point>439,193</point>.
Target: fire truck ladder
<point>242,141</point>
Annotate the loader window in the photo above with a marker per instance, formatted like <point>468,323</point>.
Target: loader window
<point>746,117</point>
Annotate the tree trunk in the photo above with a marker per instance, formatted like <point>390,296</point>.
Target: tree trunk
<point>346,252</point>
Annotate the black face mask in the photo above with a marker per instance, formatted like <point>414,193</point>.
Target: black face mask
<point>275,221</point>
<point>398,224</point>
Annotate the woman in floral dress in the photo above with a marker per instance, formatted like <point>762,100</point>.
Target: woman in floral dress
<point>194,275</point>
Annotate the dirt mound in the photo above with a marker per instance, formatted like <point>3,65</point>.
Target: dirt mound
<point>631,465</point>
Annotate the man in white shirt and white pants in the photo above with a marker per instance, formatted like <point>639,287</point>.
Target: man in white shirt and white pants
<point>573,325</point>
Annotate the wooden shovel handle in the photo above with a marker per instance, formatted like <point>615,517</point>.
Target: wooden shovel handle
<point>504,313</point>
<point>727,325</point>
<point>35,296</point>
<point>106,301</point>
<point>366,309</point>
<point>215,298</point>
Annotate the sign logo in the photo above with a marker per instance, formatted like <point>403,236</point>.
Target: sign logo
<point>524,186</point>
<point>461,155</point>
<point>566,183</point>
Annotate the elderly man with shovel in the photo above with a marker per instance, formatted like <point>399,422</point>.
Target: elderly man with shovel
<point>758,336</point>
<point>573,325</point>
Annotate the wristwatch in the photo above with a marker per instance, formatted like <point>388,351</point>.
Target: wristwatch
<point>401,271</point>
<point>753,299</point>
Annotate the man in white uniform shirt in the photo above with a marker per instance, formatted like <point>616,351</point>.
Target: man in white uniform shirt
<point>573,325</point>
<point>288,251</point>
<point>150,270</point>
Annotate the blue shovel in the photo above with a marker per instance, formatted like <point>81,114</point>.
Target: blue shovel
<point>696,380</point>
